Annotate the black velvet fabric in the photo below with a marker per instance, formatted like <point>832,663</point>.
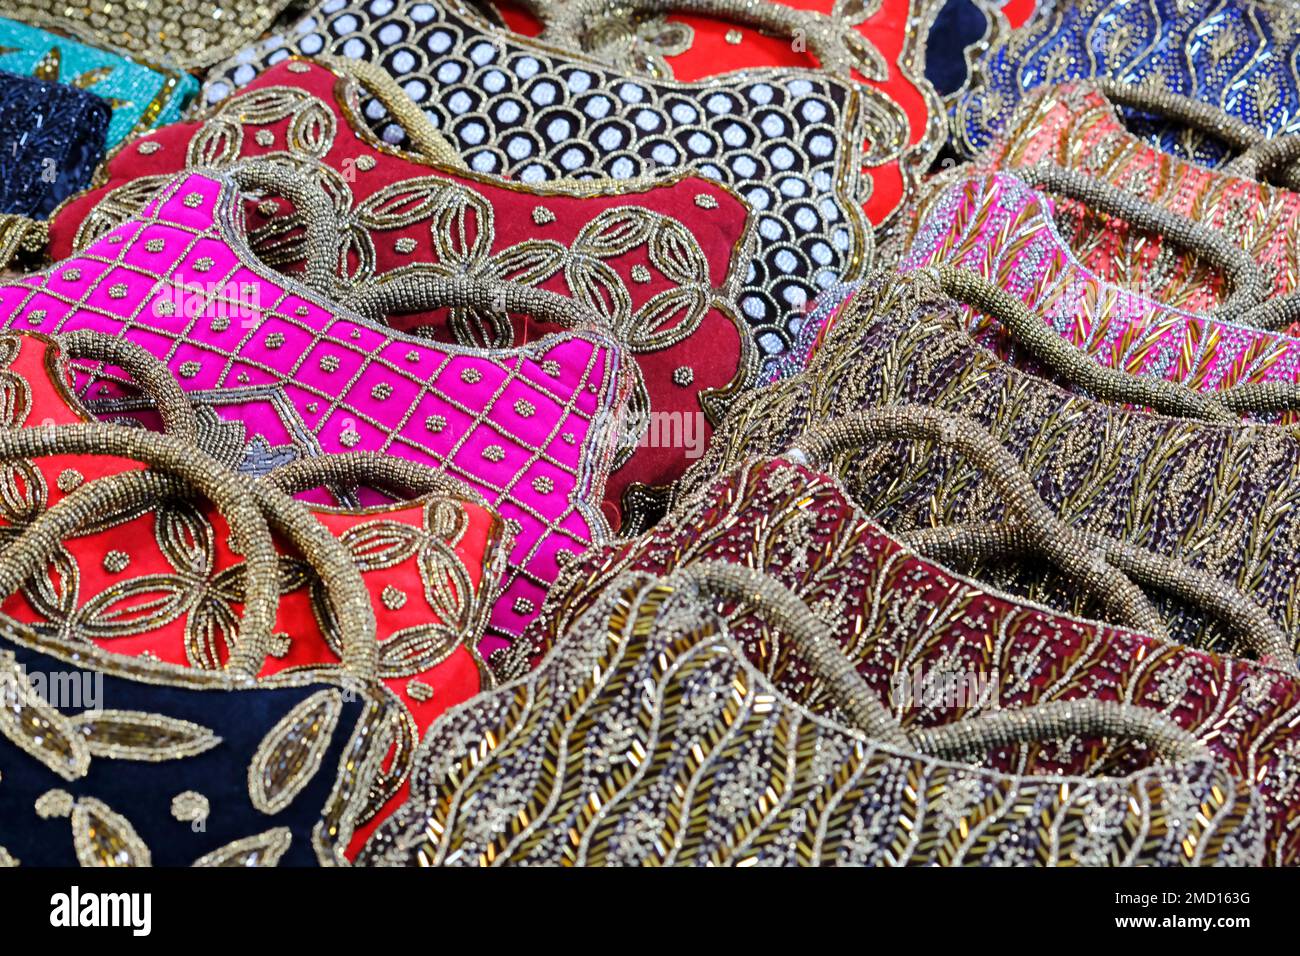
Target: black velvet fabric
<point>959,24</point>
<point>142,792</point>
<point>51,139</point>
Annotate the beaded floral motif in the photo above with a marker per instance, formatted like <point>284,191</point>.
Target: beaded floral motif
<point>55,810</point>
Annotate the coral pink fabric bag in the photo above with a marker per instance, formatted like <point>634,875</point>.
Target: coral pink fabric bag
<point>1004,230</point>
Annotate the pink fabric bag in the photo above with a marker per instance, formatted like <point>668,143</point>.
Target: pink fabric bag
<point>1076,126</point>
<point>534,429</point>
<point>1004,230</point>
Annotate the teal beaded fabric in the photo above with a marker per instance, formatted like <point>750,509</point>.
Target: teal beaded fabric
<point>141,97</point>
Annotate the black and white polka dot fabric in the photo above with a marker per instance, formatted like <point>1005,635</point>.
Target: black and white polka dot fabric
<point>516,108</point>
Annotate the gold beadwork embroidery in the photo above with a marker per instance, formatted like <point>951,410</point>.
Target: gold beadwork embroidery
<point>69,478</point>
<point>54,804</point>
<point>419,691</point>
<point>291,752</point>
<point>393,598</point>
<point>116,561</point>
<point>264,849</point>
<point>132,735</point>
<point>189,806</point>
<point>103,837</point>
<point>36,728</point>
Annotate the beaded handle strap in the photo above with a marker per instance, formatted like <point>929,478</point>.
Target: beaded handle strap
<point>1242,273</point>
<point>1045,533</point>
<point>1058,719</point>
<point>961,544</point>
<point>376,81</point>
<point>965,738</point>
<point>1276,154</point>
<point>1072,364</point>
<point>1276,313</point>
<point>146,371</point>
<point>1258,155</point>
<point>419,289</point>
<point>737,583</point>
<point>836,45</point>
<point>312,207</point>
<point>248,506</point>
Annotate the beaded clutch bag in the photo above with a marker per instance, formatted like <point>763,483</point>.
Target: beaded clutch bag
<point>127,762</point>
<point>878,43</point>
<point>659,262</point>
<point>532,429</point>
<point>156,762</point>
<point>781,139</point>
<point>1237,55</point>
<point>149,570</point>
<point>51,140</point>
<point>1077,125</point>
<point>1216,496</point>
<point>686,754</point>
<point>1003,230</point>
<point>938,647</point>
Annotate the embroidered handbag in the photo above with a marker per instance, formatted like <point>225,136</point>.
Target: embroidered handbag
<point>875,43</point>
<point>140,96</point>
<point>51,140</point>
<point>516,108</point>
<point>150,571</point>
<point>1077,125</point>
<point>1001,229</point>
<point>531,429</point>
<point>662,261</point>
<point>937,647</point>
<point>1233,54</point>
<point>686,754</point>
<point>1216,496</point>
<point>183,35</point>
<point>286,752</point>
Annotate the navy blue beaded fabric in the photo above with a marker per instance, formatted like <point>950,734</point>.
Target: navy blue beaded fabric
<point>1237,55</point>
<point>957,26</point>
<point>51,139</point>
<point>133,763</point>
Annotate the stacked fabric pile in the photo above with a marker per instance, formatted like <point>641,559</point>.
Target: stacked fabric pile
<point>713,432</point>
